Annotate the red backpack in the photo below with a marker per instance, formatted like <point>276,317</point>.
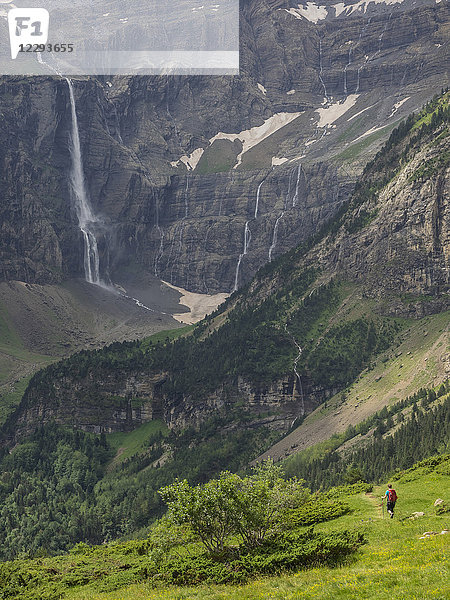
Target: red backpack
<point>392,497</point>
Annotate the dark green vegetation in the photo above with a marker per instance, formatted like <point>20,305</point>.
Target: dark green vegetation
<point>404,433</point>
<point>46,487</point>
<point>393,558</point>
<point>56,489</point>
<point>323,531</point>
<point>224,531</point>
<point>256,342</point>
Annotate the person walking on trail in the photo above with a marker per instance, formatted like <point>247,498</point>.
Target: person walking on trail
<point>391,499</point>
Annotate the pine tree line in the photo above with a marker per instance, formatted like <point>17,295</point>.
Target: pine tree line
<point>424,433</point>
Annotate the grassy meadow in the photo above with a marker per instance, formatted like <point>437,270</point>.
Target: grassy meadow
<point>395,560</point>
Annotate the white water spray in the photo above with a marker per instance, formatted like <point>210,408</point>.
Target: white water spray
<point>247,238</point>
<point>295,198</point>
<point>87,221</point>
<point>186,198</point>
<point>275,236</point>
<point>281,215</point>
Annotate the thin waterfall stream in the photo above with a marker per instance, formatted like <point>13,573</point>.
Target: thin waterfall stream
<point>247,237</point>
<point>298,379</point>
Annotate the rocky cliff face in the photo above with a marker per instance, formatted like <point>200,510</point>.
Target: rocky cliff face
<point>122,401</point>
<point>177,203</point>
<point>390,244</point>
<point>405,249</point>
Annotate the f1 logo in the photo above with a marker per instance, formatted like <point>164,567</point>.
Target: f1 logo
<point>27,26</point>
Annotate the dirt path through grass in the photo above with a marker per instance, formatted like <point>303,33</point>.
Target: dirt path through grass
<point>376,504</point>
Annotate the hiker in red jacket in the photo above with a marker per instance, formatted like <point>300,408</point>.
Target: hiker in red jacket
<point>391,499</point>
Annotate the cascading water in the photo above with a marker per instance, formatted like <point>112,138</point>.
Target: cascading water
<point>186,198</point>
<point>298,379</point>
<point>321,72</point>
<point>295,198</point>
<point>87,221</point>
<point>281,215</point>
<point>247,238</point>
<point>161,241</point>
<point>180,231</point>
<point>257,199</point>
<point>361,34</point>
<point>349,62</point>
<point>275,236</point>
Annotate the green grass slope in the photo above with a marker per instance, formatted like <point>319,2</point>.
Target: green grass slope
<point>417,359</point>
<point>397,557</point>
<point>39,324</point>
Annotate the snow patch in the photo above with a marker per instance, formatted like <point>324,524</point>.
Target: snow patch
<point>360,7</point>
<point>249,138</point>
<point>278,161</point>
<point>290,92</point>
<point>329,115</point>
<point>369,132</point>
<point>311,12</point>
<point>397,106</point>
<point>192,160</point>
<point>199,305</point>
<point>254,136</point>
<point>360,112</point>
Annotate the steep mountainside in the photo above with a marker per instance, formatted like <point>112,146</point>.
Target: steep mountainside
<point>306,326</point>
<point>312,346</point>
<point>202,180</point>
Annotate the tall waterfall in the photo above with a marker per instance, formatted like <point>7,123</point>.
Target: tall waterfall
<point>285,207</point>
<point>295,198</point>
<point>247,238</point>
<point>321,72</point>
<point>87,221</point>
<point>257,199</point>
<point>349,62</point>
<point>275,236</point>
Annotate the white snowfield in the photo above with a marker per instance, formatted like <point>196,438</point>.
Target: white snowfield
<point>249,138</point>
<point>262,88</point>
<point>398,105</point>
<point>313,12</point>
<point>192,160</point>
<point>369,132</point>
<point>278,161</point>
<point>199,305</point>
<point>361,112</point>
<point>254,136</point>
<point>329,115</point>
